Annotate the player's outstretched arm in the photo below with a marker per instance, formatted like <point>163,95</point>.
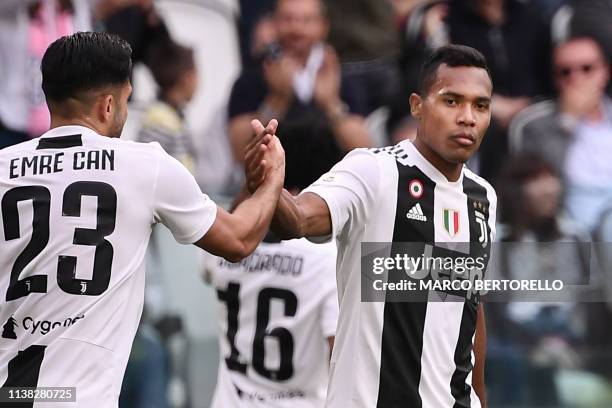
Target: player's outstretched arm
<point>235,236</point>
<point>480,347</point>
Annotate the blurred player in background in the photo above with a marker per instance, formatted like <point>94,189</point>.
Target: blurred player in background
<point>77,208</point>
<point>278,314</point>
<point>427,351</point>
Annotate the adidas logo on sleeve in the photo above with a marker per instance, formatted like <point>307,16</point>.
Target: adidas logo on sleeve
<point>416,213</point>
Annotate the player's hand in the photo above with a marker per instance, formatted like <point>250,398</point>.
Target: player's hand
<point>263,155</point>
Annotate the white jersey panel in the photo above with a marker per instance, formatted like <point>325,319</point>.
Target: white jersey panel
<point>451,229</point>
<point>361,192</point>
<point>77,212</point>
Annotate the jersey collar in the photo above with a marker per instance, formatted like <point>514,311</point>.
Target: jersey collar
<point>429,169</point>
<point>69,130</point>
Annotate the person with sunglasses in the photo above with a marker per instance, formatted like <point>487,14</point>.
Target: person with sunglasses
<point>574,131</point>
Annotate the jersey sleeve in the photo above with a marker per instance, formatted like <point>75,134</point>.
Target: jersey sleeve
<point>350,190</point>
<point>179,203</point>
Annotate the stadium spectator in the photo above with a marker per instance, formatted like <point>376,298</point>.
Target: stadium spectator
<point>514,39</point>
<point>264,34</point>
<point>423,29</point>
<point>364,35</point>
<point>574,131</point>
<point>251,14</point>
<point>590,18</point>
<point>516,42</point>
<point>27,27</point>
<point>175,73</point>
<point>531,339</point>
<point>300,75</point>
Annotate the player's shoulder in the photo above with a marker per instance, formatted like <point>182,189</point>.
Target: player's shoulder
<point>370,158</point>
<point>480,181</point>
<point>403,153</point>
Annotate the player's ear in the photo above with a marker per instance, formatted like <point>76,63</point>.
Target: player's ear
<point>105,107</point>
<point>416,105</point>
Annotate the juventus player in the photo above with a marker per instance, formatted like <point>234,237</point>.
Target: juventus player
<point>278,311</point>
<point>430,353</point>
<point>77,208</point>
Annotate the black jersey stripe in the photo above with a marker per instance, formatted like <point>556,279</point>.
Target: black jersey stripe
<point>477,207</point>
<point>23,371</point>
<point>403,324</point>
<point>460,389</point>
<point>60,142</point>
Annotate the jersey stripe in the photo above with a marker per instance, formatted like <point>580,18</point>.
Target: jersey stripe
<point>400,365</point>
<point>460,388</point>
<point>477,205</point>
<point>23,371</point>
<point>59,142</point>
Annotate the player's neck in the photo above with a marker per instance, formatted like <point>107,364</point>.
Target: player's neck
<point>452,171</point>
<point>57,121</point>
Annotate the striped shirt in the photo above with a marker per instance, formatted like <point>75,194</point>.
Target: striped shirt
<point>402,354</point>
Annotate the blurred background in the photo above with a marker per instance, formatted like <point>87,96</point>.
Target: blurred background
<point>338,74</point>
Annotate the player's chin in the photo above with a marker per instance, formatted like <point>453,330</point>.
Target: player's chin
<point>459,156</point>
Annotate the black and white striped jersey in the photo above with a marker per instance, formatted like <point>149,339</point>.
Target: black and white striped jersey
<point>402,354</point>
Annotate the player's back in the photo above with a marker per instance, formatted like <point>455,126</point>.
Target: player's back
<point>77,211</point>
<point>276,309</point>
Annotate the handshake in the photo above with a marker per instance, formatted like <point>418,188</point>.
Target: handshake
<point>264,157</point>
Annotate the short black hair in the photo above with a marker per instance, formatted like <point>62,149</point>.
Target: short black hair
<point>168,62</point>
<point>453,55</point>
<point>82,62</point>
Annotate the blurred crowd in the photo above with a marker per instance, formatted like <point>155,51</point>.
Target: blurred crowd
<point>338,74</point>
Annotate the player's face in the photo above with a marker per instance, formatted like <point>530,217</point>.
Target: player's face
<point>455,113</point>
<point>120,110</point>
